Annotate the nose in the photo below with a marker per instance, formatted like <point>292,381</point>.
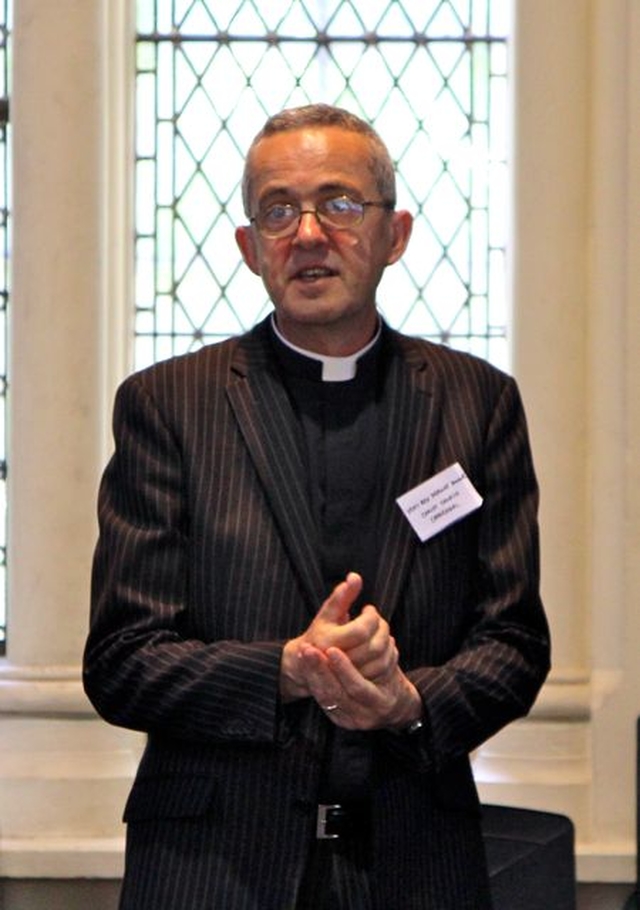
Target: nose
<point>310,229</point>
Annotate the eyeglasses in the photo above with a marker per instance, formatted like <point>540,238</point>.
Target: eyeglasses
<point>336,213</point>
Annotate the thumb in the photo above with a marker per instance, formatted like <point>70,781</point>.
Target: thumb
<point>336,607</point>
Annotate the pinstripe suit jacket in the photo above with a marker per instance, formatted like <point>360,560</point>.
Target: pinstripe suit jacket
<point>207,562</point>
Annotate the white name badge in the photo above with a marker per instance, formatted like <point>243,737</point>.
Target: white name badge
<point>439,502</point>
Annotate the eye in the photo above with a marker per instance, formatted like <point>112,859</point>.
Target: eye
<point>278,214</point>
<point>341,207</point>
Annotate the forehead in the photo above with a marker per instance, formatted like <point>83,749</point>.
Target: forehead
<point>306,160</point>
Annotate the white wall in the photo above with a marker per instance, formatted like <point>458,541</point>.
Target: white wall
<point>576,335</point>
<point>576,329</point>
<point>63,773</point>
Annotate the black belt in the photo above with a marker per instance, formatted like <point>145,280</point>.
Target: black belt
<point>346,819</point>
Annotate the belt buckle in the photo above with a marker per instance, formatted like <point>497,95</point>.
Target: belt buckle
<point>324,819</point>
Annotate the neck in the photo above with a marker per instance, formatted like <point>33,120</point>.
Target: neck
<point>327,341</point>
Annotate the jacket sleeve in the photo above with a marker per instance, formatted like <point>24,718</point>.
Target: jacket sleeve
<point>492,675</point>
<point>140,670</point>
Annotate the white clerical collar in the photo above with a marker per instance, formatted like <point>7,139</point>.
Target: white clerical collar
<point>334,369</point>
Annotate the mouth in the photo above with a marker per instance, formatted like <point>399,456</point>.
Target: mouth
<point>314,273</point>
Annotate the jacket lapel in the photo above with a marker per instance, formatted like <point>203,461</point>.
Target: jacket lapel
<point>410,417</point>
<point>270,429</point>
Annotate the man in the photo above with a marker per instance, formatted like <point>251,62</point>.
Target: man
<point>313,668</point>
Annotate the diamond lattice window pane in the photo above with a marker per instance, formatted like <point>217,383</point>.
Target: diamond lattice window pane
<point>431,76</point>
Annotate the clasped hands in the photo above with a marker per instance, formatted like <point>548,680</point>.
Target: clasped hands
<point>350,666</point>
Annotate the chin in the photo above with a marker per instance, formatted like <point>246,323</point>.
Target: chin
<point>311,311</point>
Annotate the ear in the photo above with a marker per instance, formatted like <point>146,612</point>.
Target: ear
<point>401,225</point>
<point>246,240</point>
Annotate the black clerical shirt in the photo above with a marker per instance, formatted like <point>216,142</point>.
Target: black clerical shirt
<point>339,421</point>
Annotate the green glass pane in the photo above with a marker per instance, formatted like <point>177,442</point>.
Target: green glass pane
<point>146,52</point>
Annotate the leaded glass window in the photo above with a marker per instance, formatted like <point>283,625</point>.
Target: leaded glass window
<point>5,27</point>
<point>429,74</point>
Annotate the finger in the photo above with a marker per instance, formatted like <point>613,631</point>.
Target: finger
<point>365,705</point>
<point>376,666</point>
<point>350,681</point>
<point>382,658</point>
<point>336,607</point>
<point>369,694</point>
<point>319,677</point>
<point>368,643</point>
<point>348,699</point>
<point>335,702</point>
